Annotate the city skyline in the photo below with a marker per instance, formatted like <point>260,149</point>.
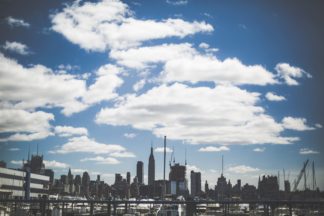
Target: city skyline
<point>95,85</point>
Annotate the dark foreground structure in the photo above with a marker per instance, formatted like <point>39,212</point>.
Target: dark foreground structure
<point>47,207</point>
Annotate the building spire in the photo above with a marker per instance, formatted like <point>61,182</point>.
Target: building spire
<point>28,157</point>
<point>222,165</point>
<point>37,149</point>
<point>185,155</point>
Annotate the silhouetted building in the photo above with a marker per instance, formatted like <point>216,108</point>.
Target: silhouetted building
<point>268,187</point>
<point>50,174</point>
<point>3,164</point>
<point>151,169</point>
<point>221,188</point>
<point>85,184</point>
<point>177,178</point>
<point>249,192</point>
<point>134,188</point>
<point>140,172</point>
<point>287,186</point>
<point>195,178</point>
<point>128,178</point>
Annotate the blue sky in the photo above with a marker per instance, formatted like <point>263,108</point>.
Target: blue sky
<point>95,83</point>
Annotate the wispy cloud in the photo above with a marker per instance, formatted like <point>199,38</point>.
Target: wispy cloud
<point>214,149</point>
<point>307,151</point>
<point>102,160</point>
<point>130,135</point>
<point>68,131</point>
<point>177,2</point>
<point>242,169</point>
<point>259,149</point>
<point>161,150</point>
<point>14,22</point>
<point>16,47</point>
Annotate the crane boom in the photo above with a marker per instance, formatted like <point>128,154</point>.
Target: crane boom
<point>300,175</point>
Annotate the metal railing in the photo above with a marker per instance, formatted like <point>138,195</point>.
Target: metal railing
<point>46,207</point>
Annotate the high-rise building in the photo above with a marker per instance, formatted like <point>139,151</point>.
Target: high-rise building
<point>140,172</point>
<point>178,181</point>
<point>85,184</point>
<point>195,178</point>
<point>128,177</point>
<point>151,169</point>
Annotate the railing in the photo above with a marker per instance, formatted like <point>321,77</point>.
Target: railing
<point>46,207</point>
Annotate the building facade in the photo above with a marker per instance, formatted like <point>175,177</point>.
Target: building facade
<point>13,184</point>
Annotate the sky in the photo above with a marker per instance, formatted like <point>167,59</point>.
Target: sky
<point>94,84</point>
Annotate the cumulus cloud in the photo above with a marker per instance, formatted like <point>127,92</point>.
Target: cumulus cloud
<point>16,162</point>
<point>68,131</point>
<point>105,85</point>
<point>298,124</point>
<point>183,63</point>
<point>38,86</point>
<point>306,151</point>
<point>161,150</point>
<point>259,149</point>
<point>242,169</point>
<point>102,160</point>
<point>16,47</point>
<point>21,125</point>
<point>214,149</point>
<point>220,115</point>
<point>14,22</point>
<point>86,145</point>
<point>290,73</point>
<point>111,24</point>
<point>55,164</point>
<point>273,97</point>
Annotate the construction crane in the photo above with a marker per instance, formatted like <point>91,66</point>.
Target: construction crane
<point>300,175</point>
<point>313,175</point>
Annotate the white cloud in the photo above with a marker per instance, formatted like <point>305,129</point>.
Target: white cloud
<point>220,115</point>
<point>106,83</point>
<point>124,154</point>
<point>111,24</point>
<point>17,162</point>
<point>143,57</point>
<point>24,126</point>
<point>55,164</point>
<point>204,45</point>
<point>14,149</point>
<point>102,160</point>
<point>273,97</point>
<point>259,149</point>
<point>183,63</point>
<point>242,169</point>
<point>193,168</point>
<point>16,47</point>
<point>130,135</point>
<point>306,151</point>
<point>68,131</point>
<point>139,85</point>
<point>84,144</point>
<point>38,86</point>
<point>318,125</point>
<point>298,124</point>
<point>14,22</point>
<point>161,150</point>
<point>214,149</point>
<point>290,73</point>
<point>177,2</point>
<point>208,68</point>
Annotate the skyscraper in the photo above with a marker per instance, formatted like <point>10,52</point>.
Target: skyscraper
<point>151,168</point>
<point>195,178</point>
<point>140,172</point>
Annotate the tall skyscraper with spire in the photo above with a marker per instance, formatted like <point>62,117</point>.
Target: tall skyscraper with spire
<point>151,168</point>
